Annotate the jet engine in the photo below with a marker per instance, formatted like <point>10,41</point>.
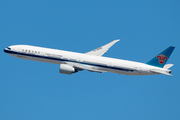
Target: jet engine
<point>66,69</point>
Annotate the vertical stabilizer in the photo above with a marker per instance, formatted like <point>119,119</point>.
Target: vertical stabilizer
<point>161,59</point>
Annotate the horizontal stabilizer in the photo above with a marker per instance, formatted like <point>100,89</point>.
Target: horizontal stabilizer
<point>101,50</point>
<point>167,66</point>
<point>160,72</point>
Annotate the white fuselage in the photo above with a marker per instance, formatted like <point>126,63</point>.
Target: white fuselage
<point>96,62</point>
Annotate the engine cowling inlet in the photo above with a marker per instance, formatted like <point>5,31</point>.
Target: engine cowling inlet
<point>66,69</point>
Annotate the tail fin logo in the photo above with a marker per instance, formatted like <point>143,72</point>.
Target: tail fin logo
<point>162,58</point>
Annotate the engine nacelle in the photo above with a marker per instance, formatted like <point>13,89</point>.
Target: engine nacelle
<point>66,69</point>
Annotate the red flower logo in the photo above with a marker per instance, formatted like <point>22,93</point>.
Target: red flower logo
<point>161,58</point>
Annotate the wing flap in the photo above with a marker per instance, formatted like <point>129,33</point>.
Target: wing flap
<point>101,50</point>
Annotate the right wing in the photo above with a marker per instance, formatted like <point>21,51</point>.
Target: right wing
<point>101,50</point>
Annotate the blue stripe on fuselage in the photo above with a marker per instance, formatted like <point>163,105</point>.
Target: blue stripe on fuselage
<point>59,59</point>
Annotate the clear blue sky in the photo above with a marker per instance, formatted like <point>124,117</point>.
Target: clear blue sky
<point>33,90</point>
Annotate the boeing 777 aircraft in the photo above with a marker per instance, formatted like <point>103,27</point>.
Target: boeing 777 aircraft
<point>72,62</point>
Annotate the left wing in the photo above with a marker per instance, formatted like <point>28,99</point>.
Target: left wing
<point>80,67</point>
<point>101,50</point>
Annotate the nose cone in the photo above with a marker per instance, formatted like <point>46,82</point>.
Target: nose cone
<point>5,50</point>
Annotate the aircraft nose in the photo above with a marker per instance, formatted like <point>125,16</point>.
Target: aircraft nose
<point>5,50</point>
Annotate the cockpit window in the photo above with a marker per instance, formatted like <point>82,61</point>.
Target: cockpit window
<point>9,48</point>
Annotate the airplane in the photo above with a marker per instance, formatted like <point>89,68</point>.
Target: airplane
<point>72,62</point>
